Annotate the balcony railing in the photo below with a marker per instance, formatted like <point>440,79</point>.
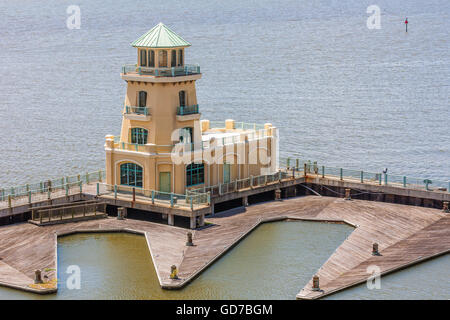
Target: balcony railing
<point>185,110</point>
<point>185,70</point>
<point>137,110</point>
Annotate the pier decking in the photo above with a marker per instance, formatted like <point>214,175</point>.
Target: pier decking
<point>405,234</point>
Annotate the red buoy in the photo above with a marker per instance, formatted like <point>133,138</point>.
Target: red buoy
<point>406,24</point>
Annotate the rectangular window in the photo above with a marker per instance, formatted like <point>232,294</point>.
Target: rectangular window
<point>195,174</point>
<point>182,98</point>
<point>180,55</point>
<point>162,59</point>
<point>143,58</point>
<point>142,99</point>
<point>139,136</point>
<point>173,60</point>
<point>151,59</point>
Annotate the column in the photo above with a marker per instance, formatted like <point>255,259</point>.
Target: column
<point>170,219</point>
<point>201,220</point>
<point>193,223</point>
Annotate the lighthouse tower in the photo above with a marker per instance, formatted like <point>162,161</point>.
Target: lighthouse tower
<point>160,98</point>
<point>161,116</point>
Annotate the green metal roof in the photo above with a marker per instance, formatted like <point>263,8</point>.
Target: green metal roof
<point>160,36</point>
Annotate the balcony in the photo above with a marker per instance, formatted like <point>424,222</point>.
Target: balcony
<point>186,113</point>
<point>137,113</point>
<point>137,73</point>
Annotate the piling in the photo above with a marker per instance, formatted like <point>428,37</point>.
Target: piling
<point>189,242</point>
<point>315,286</point>
<point>173,272</point>
<point>347,195</point>
<point>38,277</point>
<point>278,194</point>
<point>375,249</point>
<point>445,207</point>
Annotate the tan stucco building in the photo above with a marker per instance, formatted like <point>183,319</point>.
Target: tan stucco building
<point>163,144</point>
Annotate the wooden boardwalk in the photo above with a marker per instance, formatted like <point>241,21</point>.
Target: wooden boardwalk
<point>405,234</point>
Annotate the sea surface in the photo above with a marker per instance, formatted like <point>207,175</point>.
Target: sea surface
<point>341,94</point>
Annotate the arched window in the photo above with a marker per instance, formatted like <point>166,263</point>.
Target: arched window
<point>195,174</point>
<point>180,55</point>
<point>143,58</point>
<point>131,175</point>
<point>173,60</point>
<point>142,99</point>
<point>139,135</point>
<point>151,59</point>
<point>182,98</point>
<point>162,58</point>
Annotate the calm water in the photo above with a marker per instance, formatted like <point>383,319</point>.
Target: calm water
<point>341,94</point>
<point>279,259</point>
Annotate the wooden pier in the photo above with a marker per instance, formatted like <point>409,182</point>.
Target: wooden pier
<point>405,234</point>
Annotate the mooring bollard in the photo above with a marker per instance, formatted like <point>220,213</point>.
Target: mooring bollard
<point>375,249</point>
<point>278,194</point>
<point>120,215</point>
<point>347,194</point>
<point>173,272</point>
<point>189,242</point>
<point>445,207</point>
<point>315,286</point>
<point>38,277</point>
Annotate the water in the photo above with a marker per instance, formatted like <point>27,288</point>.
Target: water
<point>279,259</point>
<point>340,93</point>
<point>425,281</point>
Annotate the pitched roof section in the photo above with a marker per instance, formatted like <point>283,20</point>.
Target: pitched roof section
<point>160,36</point>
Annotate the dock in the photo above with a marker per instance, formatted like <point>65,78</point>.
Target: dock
<point>405,235</point>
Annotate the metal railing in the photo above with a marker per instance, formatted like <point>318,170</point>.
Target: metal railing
<point>188,69</point>
<point>148,148</point>
<point>237,125</point>
<point>51,185</point>
<point>186,110</point>
<point>246,183</point>
<point>171,199</point>
<point>137,110</point>
<point>379,178</point>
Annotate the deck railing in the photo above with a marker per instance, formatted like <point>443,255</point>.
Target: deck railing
<point>188,69</point>
<point>68,211</point>
<point>362,176</point>
<point>237,125</point>
<point>137,110</point>
<point>48,189</point>
<point>171,199</point>
<point>241,184</point>
<point>186,110</point>
<point>148,148</point>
